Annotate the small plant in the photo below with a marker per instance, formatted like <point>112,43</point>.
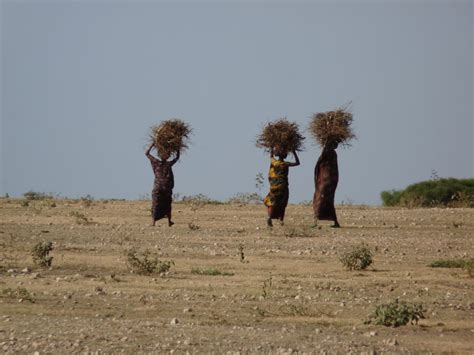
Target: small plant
<point>21,293</point>
<point>451,263</point>
<point>297,233</point>
<point>267,285</point>
<point>467,264</point>
<point>144,264</point>
<point>469,267</point>
<point>210,272</point>
<point>87,200</point>
<point>259,181</point>
<point>41,255</point>
<point>243,198</point>
<point>80,217</point>
<point>51,204</point>
<point>32,195</point>
<point>359,258</point>
<point>24,203</point>
<point>241,253</point>
<point>193,227</point>
<point>396,313</point>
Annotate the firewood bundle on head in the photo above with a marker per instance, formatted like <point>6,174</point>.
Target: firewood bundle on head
<point>280,137</point>
<point>170,136</point>
<point>332,126</point>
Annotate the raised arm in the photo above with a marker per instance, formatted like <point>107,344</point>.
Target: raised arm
<point>297,160</point>
<point>148,152</point>
<point>176,158</point>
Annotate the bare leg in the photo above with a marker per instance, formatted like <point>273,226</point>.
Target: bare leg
<point>269,219</point>
<point>170,222</point>
<point>282,218</point>
<point>153,222</point>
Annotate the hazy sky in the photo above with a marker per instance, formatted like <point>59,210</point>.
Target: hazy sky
<point>83,81</point>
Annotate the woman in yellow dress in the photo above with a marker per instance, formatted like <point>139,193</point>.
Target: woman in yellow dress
<point>277,199</point>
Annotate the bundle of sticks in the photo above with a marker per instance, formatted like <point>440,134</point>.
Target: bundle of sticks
<point>170,136</point>
<point>332,126</point>
<point>280,137</point>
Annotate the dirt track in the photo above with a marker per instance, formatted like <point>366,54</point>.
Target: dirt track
<point>291,293</point>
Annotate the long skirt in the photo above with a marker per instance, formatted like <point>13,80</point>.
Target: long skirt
<point>161,204</point>
<point>277,200</point>
<point>323,202</point>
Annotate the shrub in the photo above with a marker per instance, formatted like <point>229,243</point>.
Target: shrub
<point>246,198</point>
<point>210,271</point>
<point>144,264</point>
<point>193,226</point>
<point>24,203</point>
<point>87,200</point>
<point>21,293</point>
<point>396,313</point>
<point>467,264</point>
<point>80,217</point>
<point>439,192</point>
<point>33,195</point>
<point>198,201</point>
<point>452,263</point>
<point>40,254</point>
<point>358,258</point>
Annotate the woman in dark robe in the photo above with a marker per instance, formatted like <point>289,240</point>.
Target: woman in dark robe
<point>277,199</point>
<point>326,177</point>
<point>163,186</point>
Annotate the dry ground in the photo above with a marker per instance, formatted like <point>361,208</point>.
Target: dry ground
<point>88,301</point>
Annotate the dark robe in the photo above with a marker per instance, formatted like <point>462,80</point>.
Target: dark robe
<point>162,193</point>
<point>326,177</point>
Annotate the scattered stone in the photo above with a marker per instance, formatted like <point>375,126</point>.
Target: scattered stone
<point>391,342</point>
<point>174,321</point>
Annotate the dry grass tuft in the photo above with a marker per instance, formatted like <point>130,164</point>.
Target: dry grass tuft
<point>170,136</point>
<point>281,136</point>
<point>332,126</point>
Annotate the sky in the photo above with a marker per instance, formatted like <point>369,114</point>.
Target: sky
<point>82,82</point>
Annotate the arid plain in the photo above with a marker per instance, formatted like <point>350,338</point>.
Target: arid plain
<point>276,291</point>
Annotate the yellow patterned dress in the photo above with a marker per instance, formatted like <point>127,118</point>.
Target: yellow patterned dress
<point>277,198</point>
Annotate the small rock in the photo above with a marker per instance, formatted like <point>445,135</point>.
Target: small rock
<point>26,270</point>
<point>174,321</point>
<point>391,342</point>
<point>187,310</point>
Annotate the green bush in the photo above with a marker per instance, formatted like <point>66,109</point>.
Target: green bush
<point>396,313</point>
<point>210,272</point>
<point>439,192</point>
<point>40,254</point>
<point>33,195</point>
<point>358,258</point>
<point>145,264</point>
<point>452,263</point>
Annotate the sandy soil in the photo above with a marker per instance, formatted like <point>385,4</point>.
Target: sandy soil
<point>291,293</point>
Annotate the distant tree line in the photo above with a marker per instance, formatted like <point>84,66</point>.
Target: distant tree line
<point>447,192</point>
